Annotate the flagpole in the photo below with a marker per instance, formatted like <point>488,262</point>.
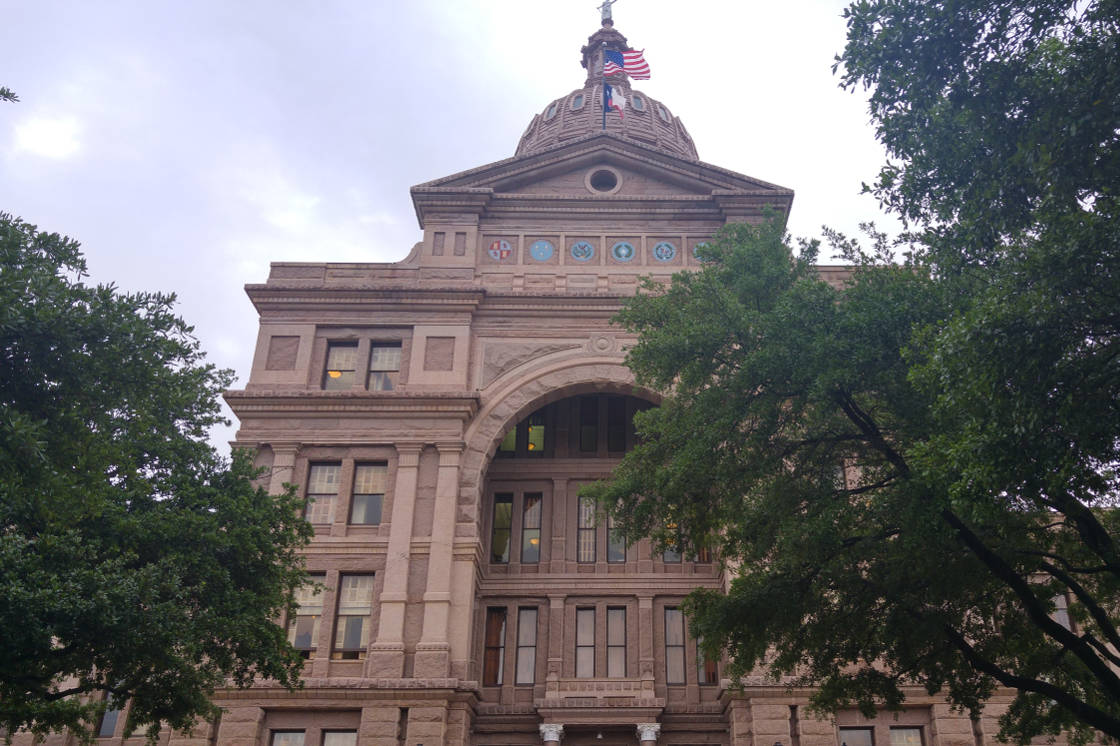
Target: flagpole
<point>602,66</point>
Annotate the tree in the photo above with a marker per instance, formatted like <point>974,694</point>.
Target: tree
<point>6,94</point>
<point>136,565</point>
<point>914,471</point>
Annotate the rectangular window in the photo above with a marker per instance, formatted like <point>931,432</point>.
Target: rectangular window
<point>526,646</point>
<point>342,362</point>
<point>585,643</point>
<point>509,442</point>
<point>503,521</point>
<point>589,424</point>
<point>616,544</point>
<point>707,671</point>
<point>303,628</point>
<point>493,658</point>
<point>384,366</point>
<point>674,647</point>
<point>703,554</point>
<point>616,424</point>
<point>287,738</point>
<point>671,556</point>
<point>616,642</point>
<point>340,738</point>
<point>585,531</point>
<point>355,601</point>
<point>531,528</point>
<point>369,494</point>
<point>1061,610</point>
<point>322,489</point>
<point>108,725</point>
<point>536,442</point>
<point>856,737</point>
<point>906,737</point>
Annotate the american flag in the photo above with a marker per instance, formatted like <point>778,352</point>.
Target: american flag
<point>632,63</point>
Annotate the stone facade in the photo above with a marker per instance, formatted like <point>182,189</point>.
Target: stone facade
<point>441,414</point>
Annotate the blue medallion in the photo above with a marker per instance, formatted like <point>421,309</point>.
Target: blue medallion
<point>623,251</point>
<point>541,250</point>
<point>582,251</point>
<point>664,252</point>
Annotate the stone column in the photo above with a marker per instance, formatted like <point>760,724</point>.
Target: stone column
<point>386,657</point>
<point>646,657</point>
<point>551,732</point>
<point>283,466</point>
<point>648,733</point>
<point>433,650</point>
<point>555,646</point>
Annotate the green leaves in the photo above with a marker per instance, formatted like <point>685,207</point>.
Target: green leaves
<point>134,562</point>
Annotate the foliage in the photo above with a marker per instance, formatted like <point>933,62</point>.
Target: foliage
<point>135,564</point>
<point>971,395</point>
<point>6,94</point>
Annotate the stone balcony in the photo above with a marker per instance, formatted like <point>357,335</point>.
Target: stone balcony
<point>599,701</point>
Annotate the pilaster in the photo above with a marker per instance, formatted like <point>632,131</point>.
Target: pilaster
<point>433,651</point>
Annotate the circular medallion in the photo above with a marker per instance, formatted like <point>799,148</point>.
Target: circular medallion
<point>698,249</point>
<point>664,252</point>
<point>499,250</point>
<point>541,250</point>
<point>623,251</point>
<point>582,251</point>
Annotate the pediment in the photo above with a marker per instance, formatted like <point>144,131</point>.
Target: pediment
<point>564,171</point>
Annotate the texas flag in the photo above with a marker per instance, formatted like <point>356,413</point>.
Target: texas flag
<point>614,100</point>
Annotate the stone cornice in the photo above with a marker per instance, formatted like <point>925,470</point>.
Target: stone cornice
<point>268,403</point>
<point>318,294</point>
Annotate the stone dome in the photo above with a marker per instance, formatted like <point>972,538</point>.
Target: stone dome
<point>580,113</point>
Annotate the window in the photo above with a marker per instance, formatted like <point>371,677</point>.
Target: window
<point>674,647</point>
<point>369,494</point>
<point>577,102</point>
<point>303,627</point>
<point>616,543</point>
<point>355,600</point>
<point>703,554</point>
<point>671,556</point>
<point>585,643</point>
<point>342,359</point>
<point>616,424</point>
<point>531,528</point>
<point>585,533</point>
<point>287,738</point>
<point>589,424</point>
<point>906,737</point>
<point>856,737</point>
<point>551,111</point>
<point>526,646</point>
<point>108,725</point>
<point>707,670</point>
<point>530,437</point>
<point>503,522</point>
<point>384,366</point>
<point>322,488</point>
<point>638,103</point>
<point>1061,610</point>
<point>663,113</point>
<point>340,738</point>
<point>509,442</point>
<point>495,647</point>
<point>616,642</point>
<point>537,428</point>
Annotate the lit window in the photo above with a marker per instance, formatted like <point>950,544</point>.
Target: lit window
<point>526,646</point>
<point>287,738</point>
<point>322,488</point>
<point>340,738</point>
<point>342,358</point>
<point>585,538</point>
<point>536,433</point>
<point>369,494</point>
<point>616,543</point>
<point>503,522</point>
<point>906,737</point>
<point>384,367</point>
<point>616,642</point>
<point>303,627</point>
<point>585,643</point>
<point>674,647</point>
<point>531,528</point>
<point>495,647</point>
<point>509,442</point>
<point>856,737</point>
<point>355,599</point>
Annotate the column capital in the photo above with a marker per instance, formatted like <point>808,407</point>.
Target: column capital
<point>648,731</point>
<point>450,448</point>
<point>408,454</point>
<point>286,449</point>
<point>552,732</point>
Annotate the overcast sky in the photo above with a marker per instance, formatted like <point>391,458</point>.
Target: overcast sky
<point>188,144</point>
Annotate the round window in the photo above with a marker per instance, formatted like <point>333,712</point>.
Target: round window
<point>603,180</point>
<point>551,111</point>
<point>661,112</point>
<point>577,102</point>
<point>638,102</point>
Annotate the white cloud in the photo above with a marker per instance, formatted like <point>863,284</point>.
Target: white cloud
<point>55,138</point>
